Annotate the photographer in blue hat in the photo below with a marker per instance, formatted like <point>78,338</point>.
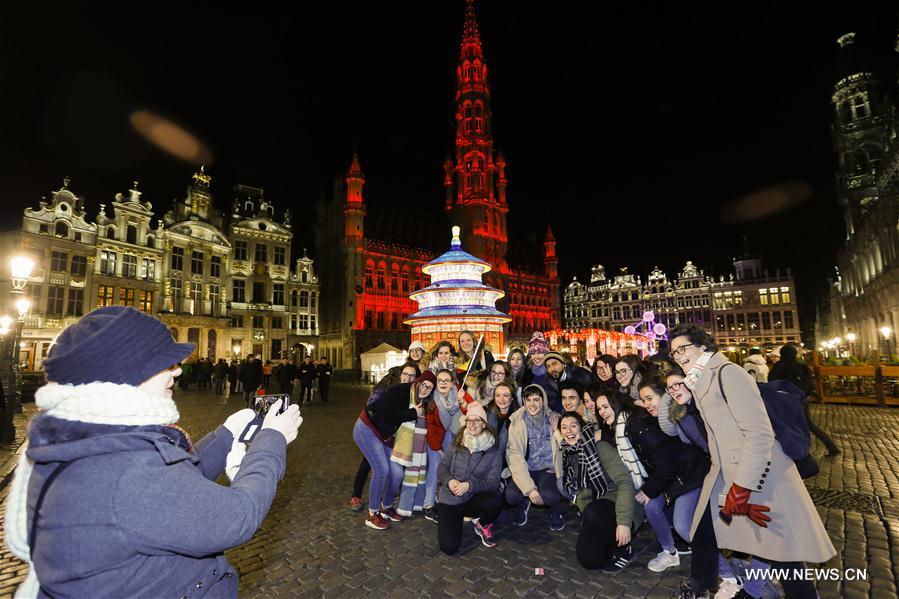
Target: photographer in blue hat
<point>112,498</point>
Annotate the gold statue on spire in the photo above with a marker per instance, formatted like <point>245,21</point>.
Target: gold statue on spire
<point>201,178</point>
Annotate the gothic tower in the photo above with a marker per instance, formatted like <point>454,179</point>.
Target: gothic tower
<point>475,178</point>
<point>552,273</point>
<point>860,133</point>
<point>354,213</point>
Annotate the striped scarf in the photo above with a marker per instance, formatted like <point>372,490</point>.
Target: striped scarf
<point>410,450</point>
<point>628,454</point>
<point>582,466</point>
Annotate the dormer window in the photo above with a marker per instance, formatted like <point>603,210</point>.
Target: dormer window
<point>131,234</point>
<point>62,230</point>
<point>110,232</point>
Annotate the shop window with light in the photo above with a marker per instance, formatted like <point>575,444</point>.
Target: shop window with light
<point>59,261</point>
<point>215,266</point>
<point>785,295</point>
<point>261,253</point>
<point>145,301</point>
<point>104,295</point>
<point>773,296</point>
<point>763,297</point>
<point>76,302</point>
<point>129,266</point>
<point>738,298</point>
<point>55,297</point>
<point>278,294</point>
<point>304,299</point>
<point>107,262</point>
<point>238,291</point>
<point>240,250</point>
<point>126,296</point>
<point>280,256</point>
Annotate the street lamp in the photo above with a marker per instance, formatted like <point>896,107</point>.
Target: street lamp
<point>20,270</point>
<point>886,332</point>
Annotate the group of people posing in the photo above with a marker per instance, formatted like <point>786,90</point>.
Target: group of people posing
<point>677,440</point>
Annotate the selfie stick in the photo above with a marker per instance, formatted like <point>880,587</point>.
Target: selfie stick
<point>474,357</point>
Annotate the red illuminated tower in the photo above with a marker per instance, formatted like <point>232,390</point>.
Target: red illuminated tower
<point>354,215</point>
<point>475,180</point>
<point>552,273</point>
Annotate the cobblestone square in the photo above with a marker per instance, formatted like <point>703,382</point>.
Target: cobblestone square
<point>312,545</point>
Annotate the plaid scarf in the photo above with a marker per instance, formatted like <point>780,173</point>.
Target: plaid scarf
<point>628,454</point>
<point>410,450</point>
<point>582,467</point>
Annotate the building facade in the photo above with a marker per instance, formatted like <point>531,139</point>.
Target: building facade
<point>220,280</point>
<point>751,308</point>
<point>371,253</point>
<point>863,297</point>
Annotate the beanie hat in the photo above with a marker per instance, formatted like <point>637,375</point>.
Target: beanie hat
<point>476,409</point>
<point>416,345</point>
<point>115,344</point>
<point>427,375</point>
<point>554,355</point>
<point>537,344</point>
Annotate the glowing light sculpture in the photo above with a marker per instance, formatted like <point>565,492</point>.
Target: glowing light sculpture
<point>457,300</point>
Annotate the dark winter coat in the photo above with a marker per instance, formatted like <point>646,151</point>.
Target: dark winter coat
<point>306,372</point>
<point>796,372</point>
<point>674,468</point>
<point>323,372</point>
<point>286,374</point>
<point>481,470</point>
<point>221,369</point>
<point>135,514</point>
<point>391,410</point>
<point>251,375</point>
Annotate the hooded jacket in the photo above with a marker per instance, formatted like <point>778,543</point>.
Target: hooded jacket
<point>136,514</point>
<point>757,367</point>
<point>517,446</point>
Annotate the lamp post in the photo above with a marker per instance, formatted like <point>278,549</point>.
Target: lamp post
<point>851,338</point>
<point>20,267</point>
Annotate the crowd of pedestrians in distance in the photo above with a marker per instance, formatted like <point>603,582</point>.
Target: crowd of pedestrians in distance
<point>676,445</point>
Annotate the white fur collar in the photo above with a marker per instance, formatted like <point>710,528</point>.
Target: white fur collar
<point>105,403</point>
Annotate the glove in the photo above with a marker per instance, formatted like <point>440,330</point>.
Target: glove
<point>238,421</point>
<point>737,504</point>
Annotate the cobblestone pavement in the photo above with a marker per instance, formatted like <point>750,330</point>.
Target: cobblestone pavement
<point>312,545</point>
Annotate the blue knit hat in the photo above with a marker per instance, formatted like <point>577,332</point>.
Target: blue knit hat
<point>115,344</point>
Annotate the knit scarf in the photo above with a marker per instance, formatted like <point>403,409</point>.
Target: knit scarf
<point>448,403</point>
<point>627,453</point>
<point>95,403</point>
<point>582,466</point>
<point>410,450</point>
<point>481,442</point>
<point>692,377</point>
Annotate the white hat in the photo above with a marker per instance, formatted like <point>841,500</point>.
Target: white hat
<point>416,345</point>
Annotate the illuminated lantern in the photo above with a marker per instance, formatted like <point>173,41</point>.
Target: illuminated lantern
<point>660,329</point>
<point>457,300</point>
<point>630,330</point>
<point>648,316</point>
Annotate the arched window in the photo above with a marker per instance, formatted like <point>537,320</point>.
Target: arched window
<point>151,241</point>
<point>394,277</point>
<point>382,272</point>
<point>110,232</point>
<point>62,230</point>
<point>405,278</point>
<point>369,274</point>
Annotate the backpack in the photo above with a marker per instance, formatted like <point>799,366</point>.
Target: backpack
<point>785,405</point>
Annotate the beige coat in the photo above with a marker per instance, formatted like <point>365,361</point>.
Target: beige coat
<point>744,451</point>
<point>517,447</point>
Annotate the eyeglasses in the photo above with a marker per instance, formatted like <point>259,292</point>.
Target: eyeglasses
<point>674,387</point>
<point>472,420</point>
<point>498,372</point>
<point>444,381</point>
<point>623,371</point>
<point>679,350</point>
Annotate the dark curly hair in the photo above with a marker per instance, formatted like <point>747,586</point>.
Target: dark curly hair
<point>697,336</point>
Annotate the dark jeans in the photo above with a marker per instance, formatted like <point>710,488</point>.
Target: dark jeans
<point>596,539</point>
<point>361,477</point>
<point>704,561</point>
<point>822,436</point>
<point>305,388</point>
<point>323,390</point>
<point>546,486</point>
<point>485,506</point>
<point>219,386</point>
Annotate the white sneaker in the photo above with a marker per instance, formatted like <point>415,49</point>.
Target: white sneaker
<point>729,587</point>
<point>663,561</point>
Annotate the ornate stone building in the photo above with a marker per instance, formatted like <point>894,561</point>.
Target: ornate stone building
<point>222,281</point>
<point>863,299</point>
<point>370,253</point>
<point>751,308</point>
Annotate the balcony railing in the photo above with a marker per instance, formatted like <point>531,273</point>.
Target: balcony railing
<point>858,385</point>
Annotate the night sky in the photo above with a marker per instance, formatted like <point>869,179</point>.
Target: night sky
<point>627,125</point>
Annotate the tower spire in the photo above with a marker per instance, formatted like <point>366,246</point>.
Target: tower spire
<point>471,38</point>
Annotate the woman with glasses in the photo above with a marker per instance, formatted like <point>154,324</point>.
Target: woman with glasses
<point>498,372</point>
<point>604,370</point>
<point>592,476</point>
<point>630,372</point>
<point>676,474</point>
<point>375,435</point>
<point>469,475</point>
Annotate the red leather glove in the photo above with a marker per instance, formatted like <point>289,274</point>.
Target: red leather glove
<point>737,504</point>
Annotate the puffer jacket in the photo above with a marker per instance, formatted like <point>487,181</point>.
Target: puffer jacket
<point>136,514</point>
<point>757,367</point>
<point>480,469</point>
